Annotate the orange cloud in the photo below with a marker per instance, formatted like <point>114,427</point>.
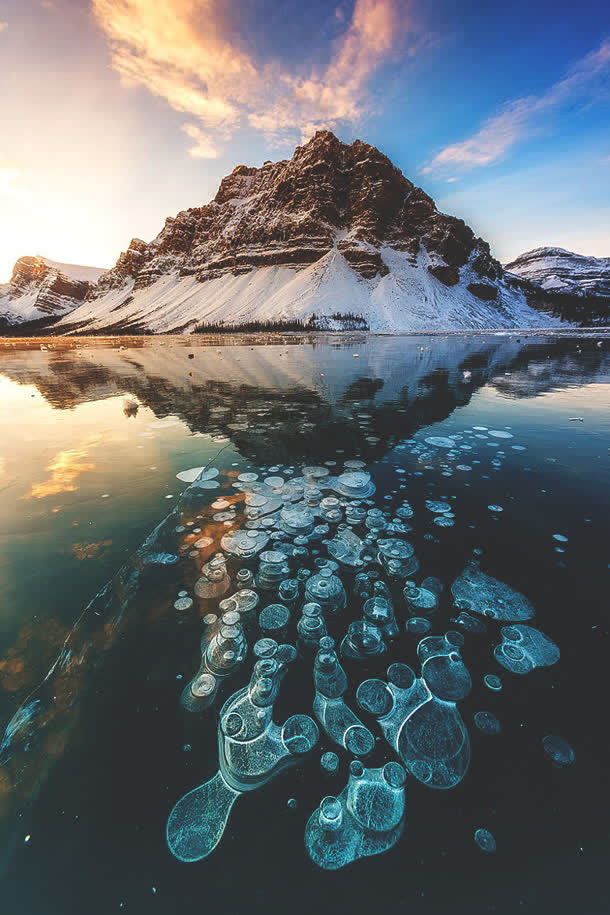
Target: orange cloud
<point>204,147</point>
<point>65,469</point>
<point>188,52</point>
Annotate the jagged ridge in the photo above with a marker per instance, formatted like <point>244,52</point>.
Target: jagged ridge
<point>558,270</point>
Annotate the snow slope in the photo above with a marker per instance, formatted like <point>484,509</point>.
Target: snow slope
<point>40,287</point>
<point>408,298</point>
<point>75,271</point>
<point>558,270</point>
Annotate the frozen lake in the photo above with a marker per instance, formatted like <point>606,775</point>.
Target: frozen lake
<point>460,481</point>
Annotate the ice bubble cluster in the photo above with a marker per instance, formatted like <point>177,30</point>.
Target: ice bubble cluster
<point>523,648</point>
<point>303,570</point>
<point>367,818</point>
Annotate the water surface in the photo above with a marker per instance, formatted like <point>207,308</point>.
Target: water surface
<point>93,435</point>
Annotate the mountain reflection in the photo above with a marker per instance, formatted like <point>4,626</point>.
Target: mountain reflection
<point>305,397</point>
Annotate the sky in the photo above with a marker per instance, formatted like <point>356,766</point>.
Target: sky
<point>117,113</point>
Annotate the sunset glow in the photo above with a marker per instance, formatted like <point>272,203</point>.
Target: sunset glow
<point>118,113</point>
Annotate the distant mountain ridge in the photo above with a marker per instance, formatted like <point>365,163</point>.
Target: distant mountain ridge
<point>558,270</point>
<point>42,288</point>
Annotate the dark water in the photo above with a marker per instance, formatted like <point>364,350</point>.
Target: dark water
<point>102,749</point>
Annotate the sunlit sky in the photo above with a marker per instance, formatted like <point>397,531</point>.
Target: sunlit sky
<point>117,113</point>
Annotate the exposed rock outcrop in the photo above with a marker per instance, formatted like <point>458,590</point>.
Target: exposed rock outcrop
<point>40,288</point>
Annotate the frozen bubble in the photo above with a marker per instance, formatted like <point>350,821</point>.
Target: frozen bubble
<point>203,543</point>
<point>256,499</point>
<point>465,467</point>
<point>485,840</point>
<point>366,819</point>
<point>469,623</point>
<point>274,482</point>
<point>499,433</point>
<point>315,473</point>
<point>495,508</point>
<point>356,484</point>
<point>420,598</point>
<point>329,763</point>
<point>244,543</point>
<point>480,428</point>
<point>183,603</point>
<point>487,723</point>
<point>444,521</point>
<point>247,477</point>
<point>274,617</point>
<point>197,473</point>
<point>559,750</point>
<point>479,593</point>
<point>492,682</point>
<point>418,625</point>
<point>440,441</point>
<point>437,508</point>
<point>523,648</point>
<point>446,677</point>
<point>560,537</point>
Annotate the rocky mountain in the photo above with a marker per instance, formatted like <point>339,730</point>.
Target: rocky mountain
<point>334,237</point>
<point>559,271</point>
<point>41,288</point>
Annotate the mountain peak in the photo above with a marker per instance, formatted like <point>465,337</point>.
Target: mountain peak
<point>336,229</point>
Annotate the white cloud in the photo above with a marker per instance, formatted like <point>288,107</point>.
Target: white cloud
<point>521,117</point>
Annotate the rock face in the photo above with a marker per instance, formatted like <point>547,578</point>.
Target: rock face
<point>40,288</point>
<point>334,237</point>
<point>330,195</point>
<point>560,271</point>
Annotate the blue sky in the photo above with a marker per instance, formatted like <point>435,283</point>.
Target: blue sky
<point>118,113</point>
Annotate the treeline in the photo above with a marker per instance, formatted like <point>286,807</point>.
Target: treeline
<point>585,311</point>
<point>348,321</point>
<point>35,328</point>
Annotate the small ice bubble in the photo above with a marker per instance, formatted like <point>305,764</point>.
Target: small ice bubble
<point>492,682</point>
<point>487,723</point>
<point>495,508</point>
<point>183,603</point>
<point>485,840</point>
<point>559,750</point>
<point>560,537</point>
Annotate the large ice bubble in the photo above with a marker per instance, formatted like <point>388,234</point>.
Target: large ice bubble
<point>479,593</point>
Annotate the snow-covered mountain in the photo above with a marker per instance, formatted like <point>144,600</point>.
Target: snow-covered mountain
<point>559,271</point>
<point>337,230</point>
<point>41,288</point>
